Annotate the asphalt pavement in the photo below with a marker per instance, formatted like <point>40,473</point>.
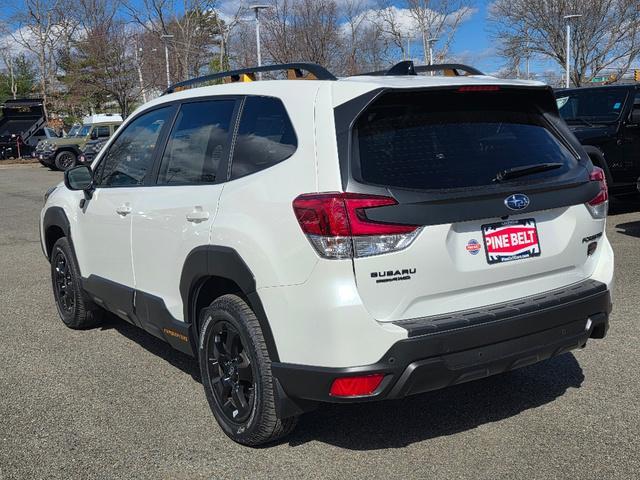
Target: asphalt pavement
<point>115,402</point>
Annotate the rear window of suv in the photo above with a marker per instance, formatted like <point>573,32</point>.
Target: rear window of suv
<point>443,139</point>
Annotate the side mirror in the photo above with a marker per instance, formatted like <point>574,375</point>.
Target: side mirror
<point>79,178</point>
<point>634,118</point>
<point>94,135</point>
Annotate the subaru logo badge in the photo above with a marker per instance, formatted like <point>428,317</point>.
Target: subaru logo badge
<point>517,201</point>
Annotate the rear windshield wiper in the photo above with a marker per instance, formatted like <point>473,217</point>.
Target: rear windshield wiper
<point>516,172</point>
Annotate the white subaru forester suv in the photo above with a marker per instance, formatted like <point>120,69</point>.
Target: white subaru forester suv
<point>338,240</point>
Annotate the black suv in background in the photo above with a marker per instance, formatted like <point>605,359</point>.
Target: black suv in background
<point>606,120</point>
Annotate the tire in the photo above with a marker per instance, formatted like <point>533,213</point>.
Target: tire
<point>233,358</point>
<point>65,160</point>
<point>76,310</point>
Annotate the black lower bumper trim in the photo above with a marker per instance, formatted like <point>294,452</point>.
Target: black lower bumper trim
<point>444,357</point>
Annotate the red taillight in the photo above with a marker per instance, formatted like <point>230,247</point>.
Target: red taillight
<point>597,175</point>
<point>343,214</point>
<point>356,386</point>
<point>337,226</point>
<point>478,88</point>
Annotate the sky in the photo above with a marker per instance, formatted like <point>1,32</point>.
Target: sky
<point>473,41</point>
<point>472,45</point>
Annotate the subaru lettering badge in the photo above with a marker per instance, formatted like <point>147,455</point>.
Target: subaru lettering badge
<point>517,201</point>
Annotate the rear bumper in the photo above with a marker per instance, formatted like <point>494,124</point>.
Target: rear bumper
<point>447,350</point>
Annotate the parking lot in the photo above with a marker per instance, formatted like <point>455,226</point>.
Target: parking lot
<point>115,402</point>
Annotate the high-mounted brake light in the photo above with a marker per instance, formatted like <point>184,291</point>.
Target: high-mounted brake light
<point>599,205</point>
<point>478,88</point>
<point>338,227</point>
<point>356,386</point>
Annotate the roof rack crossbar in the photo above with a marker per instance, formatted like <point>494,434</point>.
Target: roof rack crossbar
<point>314,69</point>
<point>407,68</point>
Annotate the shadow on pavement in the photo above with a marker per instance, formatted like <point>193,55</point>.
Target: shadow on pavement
<point>154,345</point>
<point>629,228</point>
<point>397,423</point>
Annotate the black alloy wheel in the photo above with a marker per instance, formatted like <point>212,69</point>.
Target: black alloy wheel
<point>75,308</point>
<point>231,373</point>
<point>65,160</point>
<point>236,373</point>
<point>63,283</point>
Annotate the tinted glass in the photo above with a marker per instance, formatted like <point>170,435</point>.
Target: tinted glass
<point>84,131</point>
<point>438,140</point>
<point>197,143</point>
<point>102,131</point>
<point>131,154</point>
<point>265,136</point>
<point>592,105</point>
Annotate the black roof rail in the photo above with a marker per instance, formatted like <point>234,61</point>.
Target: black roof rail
<point>320,73</point>
<point>408,68</point>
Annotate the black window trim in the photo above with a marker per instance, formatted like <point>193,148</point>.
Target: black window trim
<point>224,160</point>
<point>151,178</point>
<point>161,141</point>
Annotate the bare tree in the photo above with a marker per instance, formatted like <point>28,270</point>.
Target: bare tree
<point>194,25</point>
<point>394,26</point>
<point>438,19</point>
<point>426,19</point>
<point>40,27</point>
<point>101,65</point>
<point>225,30</point>
<point>303,29</point>
<point>9,62</point>
<point>606,36</point>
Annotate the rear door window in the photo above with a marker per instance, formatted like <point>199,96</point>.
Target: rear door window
<point>265,136</point>
<point>448,139</point>
<point>591,105</point>
<point>197,144</point>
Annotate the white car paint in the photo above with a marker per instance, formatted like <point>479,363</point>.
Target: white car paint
<point>321,312</point>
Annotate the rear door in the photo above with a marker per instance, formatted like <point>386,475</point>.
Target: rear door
<point>493,187</point>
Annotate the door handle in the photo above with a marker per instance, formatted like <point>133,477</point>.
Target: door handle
<point>198,215</point>
<point>123,210</point>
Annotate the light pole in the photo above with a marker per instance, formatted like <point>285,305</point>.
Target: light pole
<point>568,18</point>
<point>408,46</point>
<point>166,57</point>
<point>256,9</point>
<point>430,42</point>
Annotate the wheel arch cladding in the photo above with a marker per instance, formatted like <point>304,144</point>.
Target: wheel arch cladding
<point>55,225</point>
<point>212,271</point>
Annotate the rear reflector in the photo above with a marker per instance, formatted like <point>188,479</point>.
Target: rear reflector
<point>599,205</point>
<point>356,386</point>
<point>338,227</point>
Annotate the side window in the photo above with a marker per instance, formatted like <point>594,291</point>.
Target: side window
<point>197,143</point>
<point>130,156</point>
<point>102,131</point>
<point>265,136</point>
